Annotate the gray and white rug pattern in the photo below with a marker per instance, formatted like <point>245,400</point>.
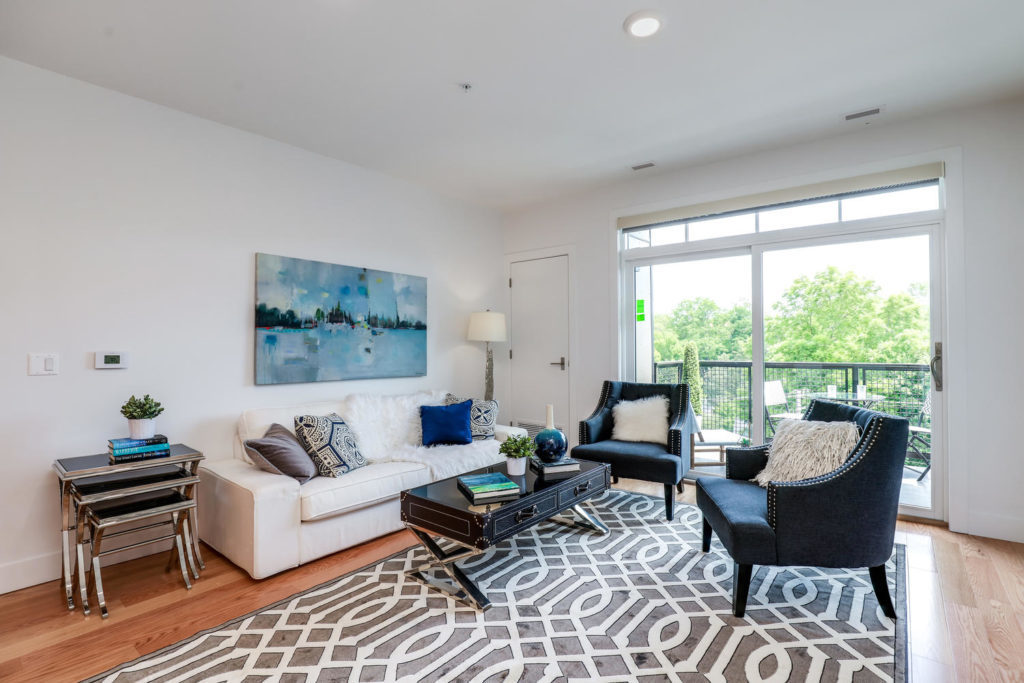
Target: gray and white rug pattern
<point>639,604</point>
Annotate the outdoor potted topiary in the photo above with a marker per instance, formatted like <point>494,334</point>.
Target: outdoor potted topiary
<point>141,414</point>
<point>516,450</point>
<point>691,378</point>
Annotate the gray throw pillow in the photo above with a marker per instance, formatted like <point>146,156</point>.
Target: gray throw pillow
<point>279,452</point>
<point>330,442</point>
<point>483,415</point>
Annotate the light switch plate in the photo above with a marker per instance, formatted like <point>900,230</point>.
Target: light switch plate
<point>43,364</point>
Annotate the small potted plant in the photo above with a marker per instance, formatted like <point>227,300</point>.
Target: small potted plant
<point>516,450</point>
<point>141,414</point>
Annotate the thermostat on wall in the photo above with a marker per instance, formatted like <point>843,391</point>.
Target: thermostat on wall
<point>109,360</point>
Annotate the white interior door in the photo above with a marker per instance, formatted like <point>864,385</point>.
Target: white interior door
<point>539,334</point>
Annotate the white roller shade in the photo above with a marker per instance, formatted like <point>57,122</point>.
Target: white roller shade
<point>871,181</point>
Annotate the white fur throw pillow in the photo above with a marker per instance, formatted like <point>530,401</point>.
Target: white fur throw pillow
<point>803,449</point>
<point>645,419</point>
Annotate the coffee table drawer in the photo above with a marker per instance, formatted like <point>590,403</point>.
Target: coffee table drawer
<point>593,484</point>
<point>516,517</point>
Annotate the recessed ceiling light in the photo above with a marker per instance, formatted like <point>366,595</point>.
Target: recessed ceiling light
<point>642,24</point>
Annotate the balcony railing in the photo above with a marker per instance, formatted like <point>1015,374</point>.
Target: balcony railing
<point>727,388</point>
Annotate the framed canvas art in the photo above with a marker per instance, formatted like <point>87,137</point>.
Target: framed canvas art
<point>319,322</point>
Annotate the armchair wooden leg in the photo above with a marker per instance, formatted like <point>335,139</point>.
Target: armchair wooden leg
<point>615,480</point>
<point>881,587</point>
<point>679,486</point>
<point>670,501</point>
<point>740,587</point>
<point>705,543</point>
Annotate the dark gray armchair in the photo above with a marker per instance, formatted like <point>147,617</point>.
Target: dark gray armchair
<point>640,460</point>
<point>846,518</point>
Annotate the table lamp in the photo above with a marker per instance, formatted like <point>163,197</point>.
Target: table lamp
<point>487,327</point>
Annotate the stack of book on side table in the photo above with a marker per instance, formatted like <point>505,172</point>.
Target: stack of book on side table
<point>560,469</point>
<point>131,450</point>
<point>488,488</point>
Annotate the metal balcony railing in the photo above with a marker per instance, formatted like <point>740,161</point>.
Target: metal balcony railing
<point>727,388</point>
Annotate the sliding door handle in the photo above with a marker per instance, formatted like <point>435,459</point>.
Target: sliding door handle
<point>560,363</point>
<point>936,366</point>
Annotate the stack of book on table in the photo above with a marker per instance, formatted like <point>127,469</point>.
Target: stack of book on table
<point>131,450</point>
<point>488,488</point>
<point>560,469</point>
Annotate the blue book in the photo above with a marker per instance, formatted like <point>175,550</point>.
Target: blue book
<point>138,449</point>
<point>487,486</point>
<point>132,443</point>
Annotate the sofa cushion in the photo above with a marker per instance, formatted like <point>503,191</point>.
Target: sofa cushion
<point>383,424</point>
<point>253,424</point>
<point>330,443</point>
<point>279,452</point>
<point>451,461</point>
<point>325,496</point>
<point>483,415</point>
<point>446,425</point>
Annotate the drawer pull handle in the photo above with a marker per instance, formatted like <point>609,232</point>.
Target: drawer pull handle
<point>581,488</point>
<point>526,514</point>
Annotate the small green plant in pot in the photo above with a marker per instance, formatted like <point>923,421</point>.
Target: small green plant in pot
<point>141,414</point>
<point>516,450</point>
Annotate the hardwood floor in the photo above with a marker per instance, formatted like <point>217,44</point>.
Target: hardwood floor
<point>965,601</point>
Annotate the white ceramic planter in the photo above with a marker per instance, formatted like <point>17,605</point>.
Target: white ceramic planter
<point>141,429</point>
<point>516,466</point>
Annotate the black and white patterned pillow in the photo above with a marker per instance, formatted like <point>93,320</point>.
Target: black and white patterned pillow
<point>483,415</point>
<point>330,443</point>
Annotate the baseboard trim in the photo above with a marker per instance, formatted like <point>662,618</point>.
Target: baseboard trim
<point>30,571</point>
<point>993,525</point>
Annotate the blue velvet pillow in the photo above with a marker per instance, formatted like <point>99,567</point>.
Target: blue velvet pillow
<point>446,425</point>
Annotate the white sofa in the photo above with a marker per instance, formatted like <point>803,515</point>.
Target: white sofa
<point>266,523</point>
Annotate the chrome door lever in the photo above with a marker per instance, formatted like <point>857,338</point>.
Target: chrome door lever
<point>560,363</point>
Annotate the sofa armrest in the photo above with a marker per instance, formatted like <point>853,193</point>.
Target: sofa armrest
<point>250,516</point>
<point>503,432</point>
<point>745,463</point>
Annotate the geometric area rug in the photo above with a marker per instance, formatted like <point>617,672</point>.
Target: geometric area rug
<point>641,603</point>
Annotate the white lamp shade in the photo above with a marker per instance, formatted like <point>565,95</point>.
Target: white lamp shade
<point>486,326</point>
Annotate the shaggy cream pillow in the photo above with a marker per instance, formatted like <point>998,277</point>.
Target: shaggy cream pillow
<point>803,449</point>
<point>645,419</point>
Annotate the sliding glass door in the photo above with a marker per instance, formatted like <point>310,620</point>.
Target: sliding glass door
<point>841,315</point>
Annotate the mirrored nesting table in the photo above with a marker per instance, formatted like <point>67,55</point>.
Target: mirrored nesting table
<point>91,479</point>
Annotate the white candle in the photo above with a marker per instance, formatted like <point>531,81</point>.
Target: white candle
<point>551,417</point>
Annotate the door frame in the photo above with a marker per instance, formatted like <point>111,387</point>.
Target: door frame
<point>929,223</point>
<point>569,251</point>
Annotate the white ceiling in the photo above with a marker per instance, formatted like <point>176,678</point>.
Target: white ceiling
<point>562,98</point>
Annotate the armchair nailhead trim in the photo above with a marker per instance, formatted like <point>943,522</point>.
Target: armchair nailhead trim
<point>867,442</point>
<point>606,390</point>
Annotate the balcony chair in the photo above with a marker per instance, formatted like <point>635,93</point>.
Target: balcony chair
<point>641,460</point>
<point>846,518</point>
<point>921,437</point>
<point>775,395</point>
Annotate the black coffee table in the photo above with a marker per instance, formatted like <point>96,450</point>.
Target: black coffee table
<point>440,509</point>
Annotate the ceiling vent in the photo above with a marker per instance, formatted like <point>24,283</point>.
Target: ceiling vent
<point>863,114</point>
<point>640,167</point>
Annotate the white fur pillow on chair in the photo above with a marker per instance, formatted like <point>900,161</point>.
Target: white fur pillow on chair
<point>803,449</point>
<point>645,419</point>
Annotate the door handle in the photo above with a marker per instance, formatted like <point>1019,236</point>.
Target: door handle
<point>936,366</point>
<point>560,363</point>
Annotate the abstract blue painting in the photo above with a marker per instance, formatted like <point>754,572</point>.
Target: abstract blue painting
<point>318,322</point>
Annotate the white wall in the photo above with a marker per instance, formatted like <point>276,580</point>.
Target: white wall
<point>129,226</point>
<point>985,221</point>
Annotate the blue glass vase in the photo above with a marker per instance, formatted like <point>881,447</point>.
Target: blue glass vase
<point>550,442</point>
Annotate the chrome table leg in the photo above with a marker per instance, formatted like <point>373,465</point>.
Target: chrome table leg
<point>63,488</point>
<point>461,587</point>
<point>588,519</point>
<point>97,578</point>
